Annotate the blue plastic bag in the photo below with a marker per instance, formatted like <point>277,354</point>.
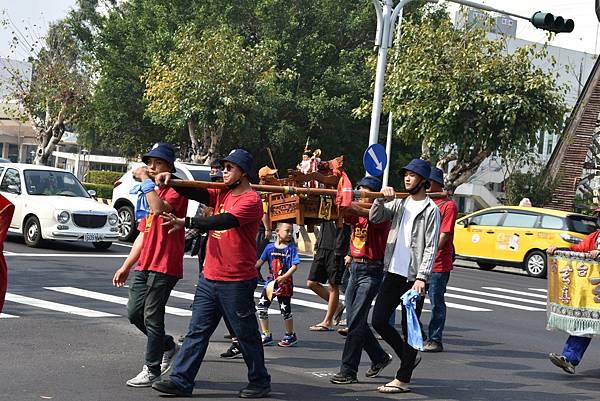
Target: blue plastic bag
<point>415,337</point>
<point>142,208</point>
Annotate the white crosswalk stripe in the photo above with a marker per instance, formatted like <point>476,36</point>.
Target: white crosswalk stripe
<point>489,294</point>
<point>112,298</point>
<point>471,300</point>
<point>39,303</point>
<point>515,292</point>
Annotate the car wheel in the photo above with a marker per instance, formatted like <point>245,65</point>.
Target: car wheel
<point>102,245</point>
<point>536,264</point>
<point>32,231</point>
<point>485,265</point>
<point>126,224</point>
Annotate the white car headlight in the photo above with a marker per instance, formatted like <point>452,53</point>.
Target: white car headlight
<point>113,219</point>
<point>63,217</point>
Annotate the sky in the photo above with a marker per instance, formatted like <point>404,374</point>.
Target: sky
<point>35,15</point>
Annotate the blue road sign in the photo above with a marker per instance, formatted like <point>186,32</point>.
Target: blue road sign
<point>375,159</point>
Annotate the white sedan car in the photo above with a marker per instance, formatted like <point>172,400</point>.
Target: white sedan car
<point>51,203</point>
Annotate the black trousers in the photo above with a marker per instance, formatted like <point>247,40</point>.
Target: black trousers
<point>391,290</point>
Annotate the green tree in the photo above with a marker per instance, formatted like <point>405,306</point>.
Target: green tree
<point>465,98</point>
<point>209,82</point>
<point>56,94</point>
<point>530,184</point>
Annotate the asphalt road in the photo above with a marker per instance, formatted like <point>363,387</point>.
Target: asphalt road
<point>495,341</point>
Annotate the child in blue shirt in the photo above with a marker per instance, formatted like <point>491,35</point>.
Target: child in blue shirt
<point>283,260</point>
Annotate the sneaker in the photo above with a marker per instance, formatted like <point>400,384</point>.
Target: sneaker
<point>255,392</point>
<point>343,331</point>
<point>168,387</point>
<point>267,339</point>
<point>433,346</point>
<point>288,340</point>
<point>234,351</point>
<point>341,378</point>
<point>144,379</point>
<point>167,359</point>
<point>562,363</point>
<point>377,368</point>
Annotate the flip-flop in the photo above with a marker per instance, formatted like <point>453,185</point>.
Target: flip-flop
<point>320,327</point>
<point>391,389</point>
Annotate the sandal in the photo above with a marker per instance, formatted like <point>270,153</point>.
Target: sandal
<point>392,389</point>
<point>320,327</point>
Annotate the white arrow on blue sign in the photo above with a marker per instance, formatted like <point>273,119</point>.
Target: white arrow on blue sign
<point>375,159</point>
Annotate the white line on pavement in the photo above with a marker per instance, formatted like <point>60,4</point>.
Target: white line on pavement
<point>56,306</point>
<point>71,255</point>
<point>489,294</point>
<point>514,292</point>
<point>188,296</point>
<point>489,301</point>
<point>538,289</point>
<point>7,316</point>
<point>111,298</point>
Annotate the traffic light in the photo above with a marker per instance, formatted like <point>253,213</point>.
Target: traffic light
<point>551,23</point>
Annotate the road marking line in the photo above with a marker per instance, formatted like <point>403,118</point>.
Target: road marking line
<point>515,292</point>
<point>538,289</point>
<point>112,298</point>
<point>489,294</point>
<point>190,297</point>
<point>448,304</point>
<point>72,255</point>
<point>56,306</point>
<point>489,301</point>
<point>7,316</point>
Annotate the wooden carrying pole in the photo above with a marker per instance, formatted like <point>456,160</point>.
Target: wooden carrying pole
<point>287,190</point>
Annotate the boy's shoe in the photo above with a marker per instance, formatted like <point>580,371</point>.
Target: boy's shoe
<point>288,340</point>
<point>377,368</point>
<point>234,351</point>
<point>144,379</point>
<point>562,362</point>
<point>343,331</point>
<point>341,378</point>
<point>433,346</point>
<point>267,339</point>
<point>167,359</point>
<point>255,392</point>
<point>168,387</point>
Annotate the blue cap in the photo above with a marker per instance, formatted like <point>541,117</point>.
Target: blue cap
<point>373,183</point>
<point>216,176</point>
<point>437,175</point>
<point>242,158</point>
<point>418,166</point>
<point>162,151</point>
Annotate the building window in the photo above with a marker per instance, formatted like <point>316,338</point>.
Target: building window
<point>13,153</point>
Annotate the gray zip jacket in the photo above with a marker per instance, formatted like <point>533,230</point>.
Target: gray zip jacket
<point>425,235</point>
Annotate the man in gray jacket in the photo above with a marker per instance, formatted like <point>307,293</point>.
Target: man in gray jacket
<point>409,255</point>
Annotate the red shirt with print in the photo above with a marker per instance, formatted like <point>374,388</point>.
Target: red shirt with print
<point>163,252</point>
<point>231,254</point>
<point>368,239</point>
<point>449,212</point>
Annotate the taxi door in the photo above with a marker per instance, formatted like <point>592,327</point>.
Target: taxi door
<point>477,236</point>
<point>516,236</point>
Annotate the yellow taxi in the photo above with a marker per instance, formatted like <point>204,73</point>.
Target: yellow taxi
<point>517,236</point>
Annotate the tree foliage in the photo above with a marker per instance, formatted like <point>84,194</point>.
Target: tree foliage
<point>465,98</point>
<point>530,185</point>
<point>56,94</point>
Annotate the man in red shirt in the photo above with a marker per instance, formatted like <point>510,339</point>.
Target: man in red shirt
<point>367,247</point>
<point>440,273</point>
<point>159,259</point>
<point>227,283</point>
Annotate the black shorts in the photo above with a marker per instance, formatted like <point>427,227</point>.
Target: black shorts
<point>327,267</point>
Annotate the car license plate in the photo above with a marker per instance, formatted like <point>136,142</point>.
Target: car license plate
<point>91,237</point>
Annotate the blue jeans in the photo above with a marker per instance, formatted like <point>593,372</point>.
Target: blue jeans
<point>575,348</point>
<point>363,285</point>
<point>437,289</point>
<point>214,299</point>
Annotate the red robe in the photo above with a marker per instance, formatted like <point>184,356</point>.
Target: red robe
<point>6,212</point>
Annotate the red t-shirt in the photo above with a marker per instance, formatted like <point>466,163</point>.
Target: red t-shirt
<point>231,254</point>
<point>449,212</point>
<point>163,252</point>
<point>368,239</point>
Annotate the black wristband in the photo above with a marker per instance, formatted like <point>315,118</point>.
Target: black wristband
<point>187,222</point>
<point>421,279</point>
